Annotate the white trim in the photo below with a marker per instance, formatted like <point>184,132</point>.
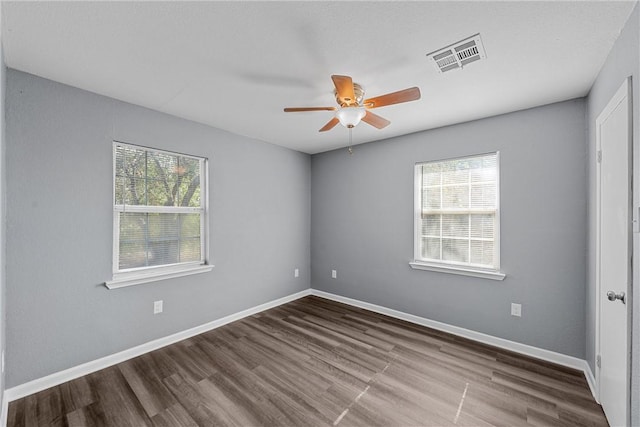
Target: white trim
<point>496,237</point>
<point>527,350</point>
<point>4,415</point>
<point>157,150</point>
<point>115,239</point>
<point>57,378</point>
<point>417,208</point>
<point>591,381</point>
<point>122,276</point>
<point>122,280</point>
<point>464,271</point>
<point>157,209</point>
<point>596,353</point>
<point>623,92</point>
<point>204,218</point>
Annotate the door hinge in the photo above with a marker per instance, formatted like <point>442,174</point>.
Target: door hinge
<point>599,156</point>
<point>598,361</point>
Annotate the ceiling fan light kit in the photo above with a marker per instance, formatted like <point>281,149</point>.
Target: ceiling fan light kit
<point>350,116</point>
<point>353,108</point>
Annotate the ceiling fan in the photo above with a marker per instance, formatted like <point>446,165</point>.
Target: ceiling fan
<point>352,108</point>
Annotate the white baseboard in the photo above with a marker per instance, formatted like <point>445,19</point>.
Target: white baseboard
<point>591,380</point>
<point>5,411</point>
<point>538,353</point>
<point>57,378</point>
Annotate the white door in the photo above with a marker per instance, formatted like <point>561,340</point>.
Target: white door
<point>613,266</point>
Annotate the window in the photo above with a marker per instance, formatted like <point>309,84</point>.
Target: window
<point>159,214</point>
<point>457,223</point>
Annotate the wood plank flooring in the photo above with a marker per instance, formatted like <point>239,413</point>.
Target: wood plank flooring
<point>315,362</point>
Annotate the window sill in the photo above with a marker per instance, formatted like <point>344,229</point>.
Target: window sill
<point>138,278</point>
<point>464,271</point>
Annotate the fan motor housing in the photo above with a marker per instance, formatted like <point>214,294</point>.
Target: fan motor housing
<point>358,91</point>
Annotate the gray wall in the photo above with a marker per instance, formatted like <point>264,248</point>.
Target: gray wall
<point>362,226</point>
<point>623,61</point>
<point>59,227</point>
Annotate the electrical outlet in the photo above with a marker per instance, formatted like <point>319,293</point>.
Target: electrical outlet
<point>157,307</point>
<point>516,309</point>
<point>296,273</point>
<point>334,274</point>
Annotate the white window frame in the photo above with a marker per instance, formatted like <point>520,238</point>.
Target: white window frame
<point>465,269</point>
<point>139,275</point>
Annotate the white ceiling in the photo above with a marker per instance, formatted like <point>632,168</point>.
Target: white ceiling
<point>236,65</point>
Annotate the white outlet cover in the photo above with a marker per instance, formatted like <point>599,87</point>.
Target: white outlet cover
<point>157,307</point>
<point>296,273</point>
<point>334,274</point>
<point>516,309</point>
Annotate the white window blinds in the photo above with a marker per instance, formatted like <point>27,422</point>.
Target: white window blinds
<point>159,208</point>
<point>457,221</point>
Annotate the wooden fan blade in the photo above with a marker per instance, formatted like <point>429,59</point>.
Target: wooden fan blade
<point>375,120</point>
<point>299,109</point>
<point>329,125</point>
<point>344,88</point>
<point>406,95</point>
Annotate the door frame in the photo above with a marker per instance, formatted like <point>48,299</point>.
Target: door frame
<point>622,94</point>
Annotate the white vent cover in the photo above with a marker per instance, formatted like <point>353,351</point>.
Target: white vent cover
<point>459,54</point>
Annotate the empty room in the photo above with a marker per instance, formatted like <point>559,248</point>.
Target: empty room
<point>315,213</point>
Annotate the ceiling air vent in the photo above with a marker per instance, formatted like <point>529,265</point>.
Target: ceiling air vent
<point>459,54</point>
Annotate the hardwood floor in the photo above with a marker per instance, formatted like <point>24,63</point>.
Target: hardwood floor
<point>314,362</point>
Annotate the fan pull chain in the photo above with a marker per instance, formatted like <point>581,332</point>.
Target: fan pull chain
<point>350,140</point>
